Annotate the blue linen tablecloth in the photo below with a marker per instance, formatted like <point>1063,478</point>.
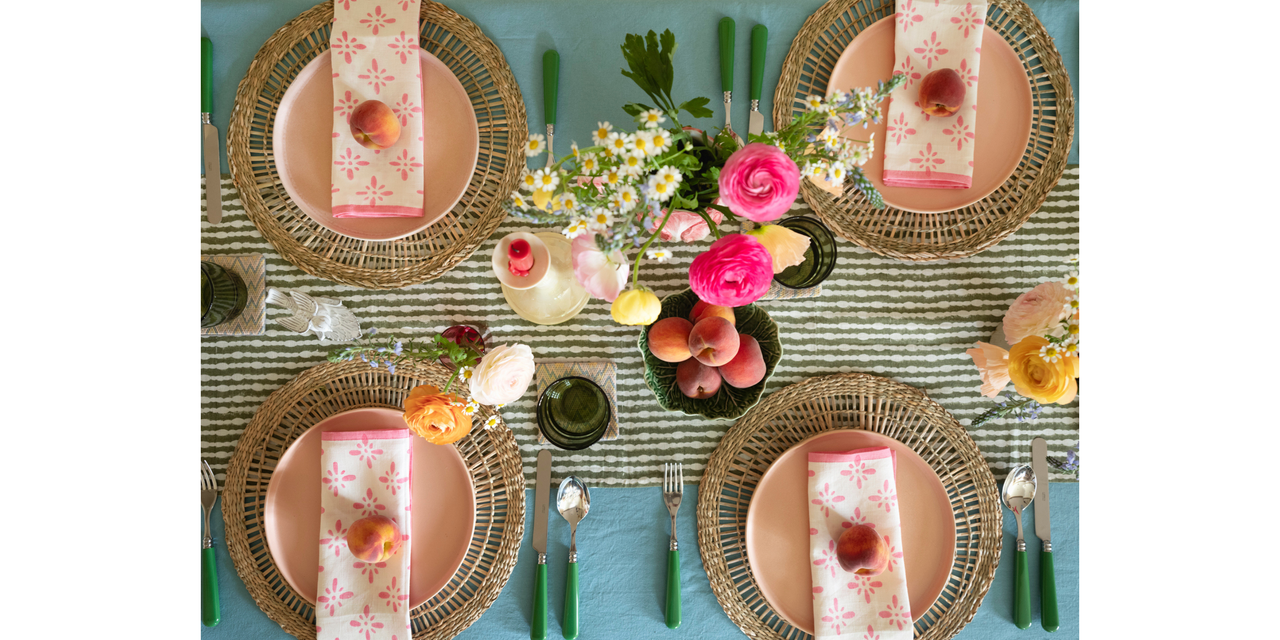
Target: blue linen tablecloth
<point>623,544</point>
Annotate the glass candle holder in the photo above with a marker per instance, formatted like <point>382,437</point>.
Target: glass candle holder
<point>819,258</point>
<point>463,335</point>
<point>223,295</point>
<point>573,413</point>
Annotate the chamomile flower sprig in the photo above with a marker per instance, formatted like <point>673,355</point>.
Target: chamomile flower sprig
<point>391,352</point>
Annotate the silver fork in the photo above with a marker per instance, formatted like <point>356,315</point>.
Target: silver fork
<point>672,491</point>
<point>210,612</point>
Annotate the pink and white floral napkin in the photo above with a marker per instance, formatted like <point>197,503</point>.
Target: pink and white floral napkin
<point>363,473</point>
<point>375,57</point>
<point>856,487</point>
<point>926,151</point>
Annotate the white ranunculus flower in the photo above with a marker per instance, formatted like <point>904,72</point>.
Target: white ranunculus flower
<point>503,375</point>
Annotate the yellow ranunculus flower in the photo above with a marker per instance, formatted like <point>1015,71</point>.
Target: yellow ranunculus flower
<point>542,199</point>
<point>785,246</point>
<point>637,306</point>
<point>1044,382</point>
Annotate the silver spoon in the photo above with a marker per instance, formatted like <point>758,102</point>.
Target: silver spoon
<point>1019,489</point>
<point>573,501</point>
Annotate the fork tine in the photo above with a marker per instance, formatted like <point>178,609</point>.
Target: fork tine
<point>680,485</point>
<point>666,476</point>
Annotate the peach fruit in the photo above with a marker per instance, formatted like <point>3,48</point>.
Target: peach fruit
<point>374,539</point>
<point>703,310</point>
<point>941,92</point>
<point>697,380</point>
<point>374,125</point>
<point>669,339</point>
<point>862,551</point>
<point>713,341</point>
<point>747,367</point>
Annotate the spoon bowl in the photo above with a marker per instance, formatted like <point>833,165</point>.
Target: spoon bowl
<point>573,500</point>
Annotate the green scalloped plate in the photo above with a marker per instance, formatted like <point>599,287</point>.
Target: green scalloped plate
<point>728,403</point>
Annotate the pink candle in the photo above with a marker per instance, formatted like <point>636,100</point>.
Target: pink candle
<point>520,257</point>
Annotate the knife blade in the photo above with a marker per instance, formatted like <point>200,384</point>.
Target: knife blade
<point>212,165</point>
<point>550,87</point>
<point>541,511</point>
<point>728,31</point>
<point>759,42</point>
<point>1048,586</point>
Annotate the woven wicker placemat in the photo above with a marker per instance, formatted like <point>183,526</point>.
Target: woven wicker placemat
<point>491,455</point>
<point>847,401</point>
<point>922,237</point>
<point>483,72</point>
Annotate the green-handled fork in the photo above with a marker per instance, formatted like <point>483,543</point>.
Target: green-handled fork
<point>672,491</point>
<point>210,612</point>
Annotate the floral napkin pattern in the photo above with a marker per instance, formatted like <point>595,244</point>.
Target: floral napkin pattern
<point>856,487</point>
<point>375,57</point>
<point>928,151</point>
<point>363,473</point>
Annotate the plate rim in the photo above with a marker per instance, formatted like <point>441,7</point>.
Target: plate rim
<point>751,505</point>
<point>270,498</point>
<point>307,71</point>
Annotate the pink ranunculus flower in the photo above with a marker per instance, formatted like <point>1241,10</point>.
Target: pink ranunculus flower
<point>602,275</point>
<point>759,182</point>
<point>686,225</point>
<point>1037,312</point>
<point>503,375</point>
<point>993,366</point>
<point>735,270</point>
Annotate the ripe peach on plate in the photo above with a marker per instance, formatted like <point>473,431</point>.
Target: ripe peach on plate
<point>713,341</point>
<point>747,367</point>
<point>861,551</point>
<point>697,380</point>
<point>374,539</point>
<point>669,339</point>
<point>703,310</point>
<point>942,92</point>
<point>374,125</point>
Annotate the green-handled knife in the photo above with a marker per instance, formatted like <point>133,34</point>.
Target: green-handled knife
<point>212,165</point>
<point>728,31</point>
<point>1048,586</point>
<point>550,86</point>
<point>759,42</point>
<point>541,511</point>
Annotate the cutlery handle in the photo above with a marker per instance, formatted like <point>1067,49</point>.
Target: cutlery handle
<point>673,588</point>
<point>1048,593</point>
<point>570,622</point>
<point>210,612</point>
<point>550,83</point>
<point>727,32</point>
<point>1022,592</point>
<point>759,41</point>
<point>539,630</point>
<point>206,75</point>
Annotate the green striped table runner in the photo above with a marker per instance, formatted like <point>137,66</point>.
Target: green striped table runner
<point>908,322</point>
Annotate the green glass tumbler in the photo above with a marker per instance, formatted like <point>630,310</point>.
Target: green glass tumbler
<point>573,413</point>
<point>819,258</point>
<point>223,295</point>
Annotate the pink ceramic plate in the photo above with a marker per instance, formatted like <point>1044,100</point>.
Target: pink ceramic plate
<point>778,526</point>
<point>302,146</point>
<point>1003,126</point>
<point>444,507</point>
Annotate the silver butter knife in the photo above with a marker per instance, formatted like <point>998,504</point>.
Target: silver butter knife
<point>212,165</point>
<point>1048,586</point>
<point>759,42</point>
<point>541,511</point>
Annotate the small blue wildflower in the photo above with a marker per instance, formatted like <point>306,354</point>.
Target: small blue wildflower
<point>364,357</point>
<point>373,331</point>
<point>399,347</point>
<point>391,368</point>
<point>374,364</point>
<point>381,349</point>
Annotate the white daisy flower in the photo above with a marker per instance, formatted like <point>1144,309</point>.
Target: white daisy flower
<point>519,201</point>
<point>600,219</point>
<point>642,142</point>
<point>660,255</point>
<point>615,202</point>
<point>632,165</point>
<point>813,169</point>
<point>568,202</point>
<point>813,102</point>
<point>670,175</point>
<point>1073,281</point>
<point>859,156</point>
<point>589,163</point>
<point>464,373</point>
<point>660,189</point>
<point>661,141</point>
<point>537,144</point>
<point>471,408</point>
<point>836,173</point>
<point>618,142</point>
<point>613,176</point>
<point>491,422</point>
<point>545,179</point>
<point>837,97</point>
<point>499,405</point>
<point>830,137</point>
<point>651,118</point>
<point>576,227</point>
<point>601,133</point>
<point>527,180</point>
<point>628,198</point>
<point>573,148</point>
<point>1050,353</point>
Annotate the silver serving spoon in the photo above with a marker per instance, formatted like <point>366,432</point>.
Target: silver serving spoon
<point>1019,489</point>
<point>573,501</point>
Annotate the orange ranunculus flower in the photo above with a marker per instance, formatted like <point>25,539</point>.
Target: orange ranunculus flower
<point>1044,382</point>
<point>436,416</point>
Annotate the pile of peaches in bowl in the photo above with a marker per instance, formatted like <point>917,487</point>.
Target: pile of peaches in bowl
<point>710,361</point>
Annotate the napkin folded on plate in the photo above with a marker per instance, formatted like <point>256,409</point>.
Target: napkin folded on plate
<point>374,54</point>
<point>926,151</point>
<point>856,487</point>
<point>363,473</point>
